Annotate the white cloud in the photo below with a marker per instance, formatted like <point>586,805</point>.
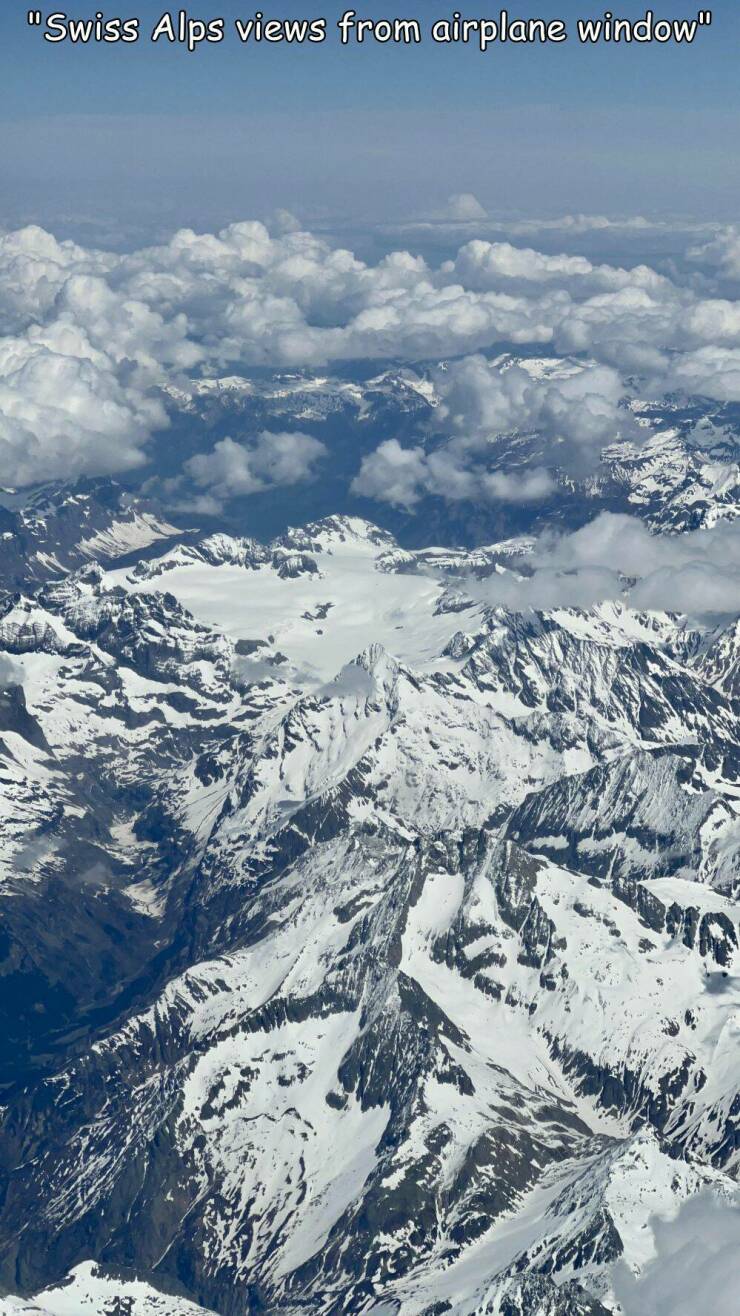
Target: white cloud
<point>616,557</point>
<point>587,224</point>
<point>696,588</point>
<point>488,265</point>
<point>463,206</point>
<point>126,329</point>
<point>712,372</point>
<point>33,268</point>
<point>573,413</point>
<point>402,476</point>
<point>284,221</point>
<point>695,1268</point>
<point>233,469</point>
<point>716,321</point>
<point>78,380</point>
<point>393,474</point>
<point>480,264</point>
<point>64,410</point>
<point>562,228</point>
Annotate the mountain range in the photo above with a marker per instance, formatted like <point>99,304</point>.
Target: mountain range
<point>366,945</point>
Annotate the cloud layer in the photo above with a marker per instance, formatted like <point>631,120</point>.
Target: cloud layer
<point>232,469</point>
<point>91,337</point>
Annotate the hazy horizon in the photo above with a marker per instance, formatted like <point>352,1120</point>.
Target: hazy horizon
<point>148,138</point>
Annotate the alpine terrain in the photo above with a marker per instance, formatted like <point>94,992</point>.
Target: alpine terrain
<point>369,932</point>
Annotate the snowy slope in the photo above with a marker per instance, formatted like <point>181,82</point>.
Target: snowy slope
<point>50,528</point>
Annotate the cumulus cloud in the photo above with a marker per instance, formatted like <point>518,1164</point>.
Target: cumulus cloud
<point>616,557</point>
<point>403,476</point>
<point>526,487</point>
<point>588,223</point>
<point>233,469</point>
<point>715,320</point>
<point>33,269</point>
<point>131,333</point>
<point>557,228</point>
<point>721,253</point>
<point>712,372</point>
<point>482,265</point>
<point>579,410</point>
<point>284,221</point>
<point>393,474</point>
<point>487,265</point>
<point>294,299</point>
<point>64,409</point>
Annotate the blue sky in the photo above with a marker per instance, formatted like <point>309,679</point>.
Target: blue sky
<point>144,135</point>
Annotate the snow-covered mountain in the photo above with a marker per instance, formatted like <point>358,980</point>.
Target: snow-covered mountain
<point>365,947</point>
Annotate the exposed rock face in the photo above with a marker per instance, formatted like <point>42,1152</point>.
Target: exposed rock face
<point>59,527</point>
